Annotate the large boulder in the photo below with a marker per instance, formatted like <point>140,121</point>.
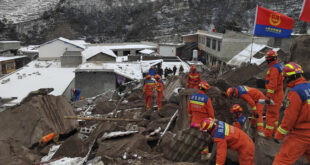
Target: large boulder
<point>35,117</point>
<point>300,51</point>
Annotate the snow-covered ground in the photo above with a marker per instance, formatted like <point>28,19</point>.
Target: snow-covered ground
<point>24,10</point>
<point>36,75</point>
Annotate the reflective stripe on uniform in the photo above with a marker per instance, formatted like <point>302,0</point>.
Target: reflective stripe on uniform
<point>270,91</point>
<point>197,102</point>
<point>308,101</point>
<point>276,123</point>
<point>260,124</point>
<point>269,127</point>
<point>282,131</point>
<point>254,108</point>
<point>226,129</point>
<point>290,73</point>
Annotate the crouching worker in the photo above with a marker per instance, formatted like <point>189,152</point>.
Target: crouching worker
<point>239,118</point>
<point>226,136</point>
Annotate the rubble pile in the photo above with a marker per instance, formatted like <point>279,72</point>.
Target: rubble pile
<point>299,53</point>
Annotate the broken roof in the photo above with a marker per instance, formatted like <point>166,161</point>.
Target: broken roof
<point>36,75</point>
<point>10,58</point>
<point>131,70</point>
<point>94,50</point>
<point>30,49</point>
<point>245,55</point>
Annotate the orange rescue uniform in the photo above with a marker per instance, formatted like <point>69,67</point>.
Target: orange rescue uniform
<point>199,107</point>
<point>251,96</point>
<point>48,137</point>
<point>193,80</point>
<point>296,125</point>
<point>160,93</point>
<point>227,136</point>
<point>148,88</point>
<point>274,86</point>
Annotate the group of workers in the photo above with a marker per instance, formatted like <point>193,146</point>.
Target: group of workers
<point>151,85</point>
<point>295,125</point>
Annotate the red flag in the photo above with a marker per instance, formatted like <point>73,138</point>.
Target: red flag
<point>305,11</point>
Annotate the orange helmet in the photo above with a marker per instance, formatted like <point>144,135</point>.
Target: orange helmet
<point>148,76</point>
<point>157,76</point>
<point>271,54</point>
<point>236,108</point>
<point>292,69</point>
<point>193,67</point>
<point>230,92</point>
<point>206,124</point>
<point>204,85</point>
<point>73,90</point>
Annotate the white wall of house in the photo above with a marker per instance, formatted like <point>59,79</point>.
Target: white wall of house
<point>167,50</point>
<point>55,49</point>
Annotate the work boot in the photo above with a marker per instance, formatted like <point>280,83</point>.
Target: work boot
<point>148,108</point>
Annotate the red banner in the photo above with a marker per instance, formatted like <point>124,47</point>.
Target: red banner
<point>305,11</point>
<point>271,18</point>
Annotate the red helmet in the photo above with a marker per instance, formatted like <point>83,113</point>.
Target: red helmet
<point>230,92</point>
<point>206,124</point>
<point>157,76</point>
<point>271,54</point>
<point>291,69</point>
<point>148,76</point>
<point>193,67</point>
<point>236,108</point>
<point>204,85</point>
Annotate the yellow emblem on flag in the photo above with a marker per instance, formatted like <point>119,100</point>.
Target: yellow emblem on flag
<point>274,19</point>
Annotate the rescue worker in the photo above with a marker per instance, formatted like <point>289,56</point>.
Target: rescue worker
<point>228,136</point>
<point>193,78</point>
<point>148,89</point>
<point>200,105</point>
<point>239,118</point>
<point>274,86</point>
<point>76,94</point>
<point>159,85</point>
<point>295,124</point>
<point>49,137</point>
<point>251,96</point>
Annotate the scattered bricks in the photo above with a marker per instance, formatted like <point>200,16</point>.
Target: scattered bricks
<point>82,136</point>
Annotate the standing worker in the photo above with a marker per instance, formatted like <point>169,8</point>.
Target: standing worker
<point>251,96</point>
<point>76,94</point>
<point>200,105</point>
<point>274,86</point>
<point>159,85</point>
<point>148,89</point>
<point>174,70</point>
<point>239,118</point>
<point>193,78</point>
<point>228,136</point>
<point>295,124</point>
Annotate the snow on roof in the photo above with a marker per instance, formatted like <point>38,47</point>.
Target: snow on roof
<point>131,70</point>
<point>9,42</point>
<point>208,34</point>
<point>30,49</point>
<point>93,50</point>
<point>10,58</point>
<point>33,77</point>
<point>130,46</point>
<point>80,42</point>
<point>194,62</point>
<point>244,55</point>
<point>72,42</point>
<point>145,65</point>
<point>146,51</point>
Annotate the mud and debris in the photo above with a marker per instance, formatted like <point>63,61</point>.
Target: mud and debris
<point>152,137</point>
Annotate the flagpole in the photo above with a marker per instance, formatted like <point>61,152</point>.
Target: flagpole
<point>253,34</point>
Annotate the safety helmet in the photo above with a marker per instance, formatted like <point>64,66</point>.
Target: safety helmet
<point>291,69</point>
<point>271,54</point>
<point>193,67</point>
<point>73,90</point>
<point>157,76</point>
<point>148,76</point>
<point>206,124</point>
<point>204,85</point>
<point>230,92</point>
<point>236,108</point>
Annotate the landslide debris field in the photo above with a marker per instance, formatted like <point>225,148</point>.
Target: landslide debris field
<point>120,130</point>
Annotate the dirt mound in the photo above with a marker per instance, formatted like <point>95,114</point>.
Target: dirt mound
<point>168,110</point>
<point>36,117</point>
<point>104,107</point>
<point>135,96</point>
<point>300,51</point>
